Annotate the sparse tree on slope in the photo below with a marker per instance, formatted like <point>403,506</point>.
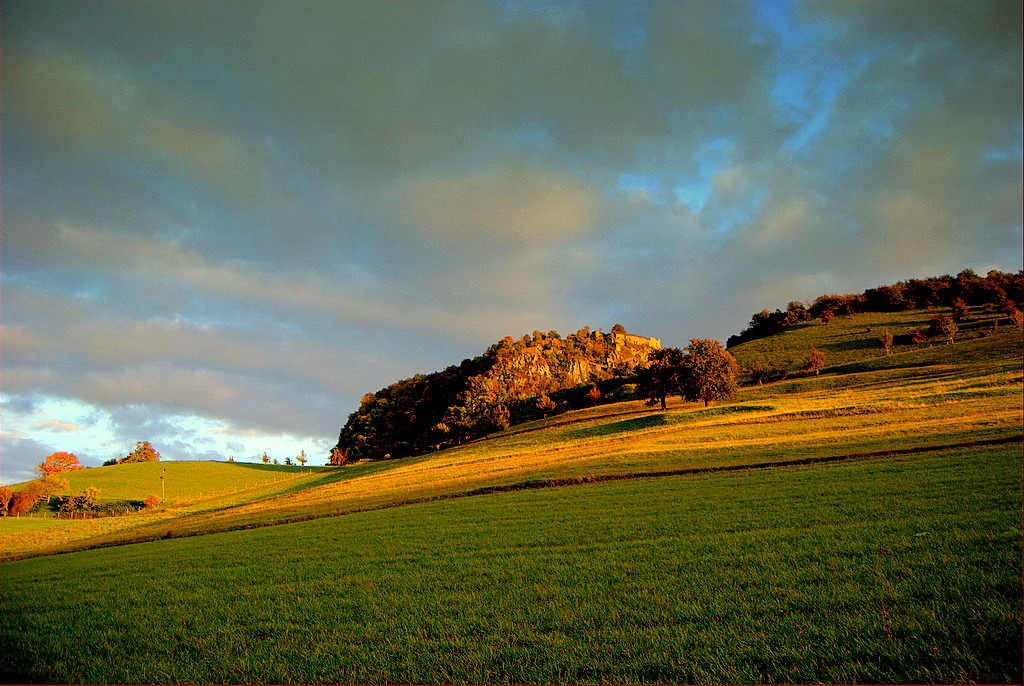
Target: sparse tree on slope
<point>708,371</point>
<point>943,326</point>
<point>661,377</point>
<point>815,361</point>
<point>886,339</point>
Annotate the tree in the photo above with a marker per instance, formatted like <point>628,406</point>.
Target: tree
<point>337,457</point>
<point>796,312</point>
<point>22,502</point>
<point>758,372</point>
<point>959,307</point>
<point>33,492</point>
<point>827,315</point>
<point>943,326</point>
<point>288,462</point>
<point>546,405</point>
<point>265,458</point>
<point>58,463</point>
<point>6,493</point>
<point>886,340</point>
<point>144,452</point>
<point>1018,319</point>
<point>86,502</point>
<point>50,485</point>
<point>815,361</point>
<point>301,458</point>
<point>708,371</point>
<point>661,377</point>
<point>594,394</point>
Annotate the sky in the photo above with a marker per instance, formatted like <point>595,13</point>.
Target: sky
<point>225,222</point>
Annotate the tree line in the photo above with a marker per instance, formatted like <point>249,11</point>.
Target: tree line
<point>997,290</point>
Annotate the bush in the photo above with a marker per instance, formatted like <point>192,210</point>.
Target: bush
<point>151,501</point>
<point>815,361</point>
<point>22,502</point>
<point>943,326</point>
<point>886,340</point>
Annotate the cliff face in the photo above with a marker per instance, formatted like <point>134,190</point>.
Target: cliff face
<point>512,381</point>
<point>547,363</point>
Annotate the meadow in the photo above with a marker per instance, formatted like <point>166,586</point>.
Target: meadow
<point>863,525</point>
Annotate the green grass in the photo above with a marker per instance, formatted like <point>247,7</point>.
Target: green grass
<point>183,481</point>
<point>853,340</point>
<point>885,570</point>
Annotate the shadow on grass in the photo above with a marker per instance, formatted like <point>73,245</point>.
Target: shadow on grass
<point>652,421</point>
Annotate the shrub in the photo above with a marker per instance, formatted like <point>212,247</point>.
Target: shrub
<point>943,326</point>
<point>1017,318</point>
<point>886,339</point>
<point>151,501</point>
<point>815,361</point>
<point>22,502</point>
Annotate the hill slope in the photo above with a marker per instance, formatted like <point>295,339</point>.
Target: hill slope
<point>882,405</point>
<point>863,525</point>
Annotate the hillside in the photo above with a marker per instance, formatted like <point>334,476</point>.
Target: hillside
<point>866,402</point>
<point>543,374</point>
<point>862,525</point>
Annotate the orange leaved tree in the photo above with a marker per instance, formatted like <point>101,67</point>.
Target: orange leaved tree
<point>58,463</point>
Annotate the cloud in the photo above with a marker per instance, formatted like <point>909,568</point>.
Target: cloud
<point>249,218</point>
<point>517,204</point>
<point>57,425</point>
<point>70,97</point>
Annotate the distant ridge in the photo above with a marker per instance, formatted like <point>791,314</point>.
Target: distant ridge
<point>997,289</point>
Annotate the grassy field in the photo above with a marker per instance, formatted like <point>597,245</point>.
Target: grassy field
<point>863,525</point>
<point>880,570</point>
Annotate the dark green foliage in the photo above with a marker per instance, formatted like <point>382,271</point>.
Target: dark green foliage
<point>661,378</point>
<point>708,372</point>
<point>966,289</point>
<point>76,504</point>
